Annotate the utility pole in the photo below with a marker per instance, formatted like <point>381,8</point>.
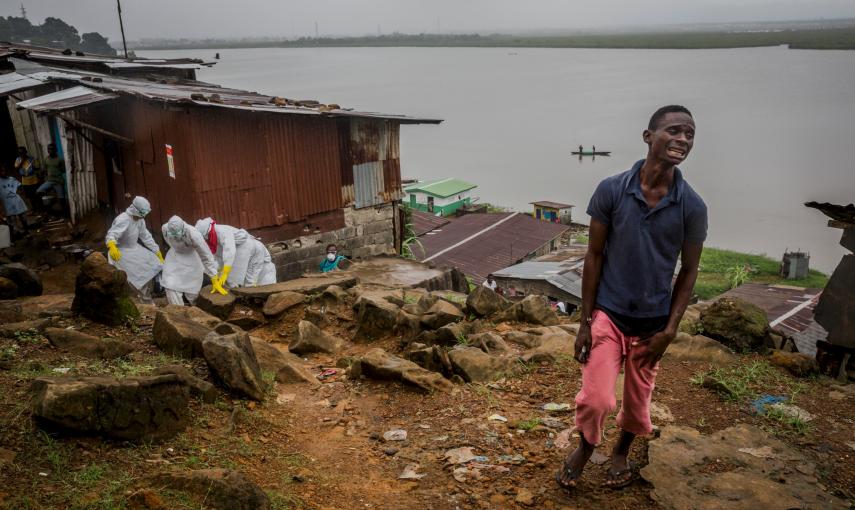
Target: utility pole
<point>122,28</point>
<point>23,11</point>
<point>316,30</point>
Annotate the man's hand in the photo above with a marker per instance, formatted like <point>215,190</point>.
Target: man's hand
<point>653,348</point>
<point>583,344</point>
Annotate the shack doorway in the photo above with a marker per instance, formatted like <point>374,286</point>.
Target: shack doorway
<point>8,144</point>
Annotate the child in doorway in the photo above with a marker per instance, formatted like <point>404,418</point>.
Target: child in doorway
<point>14,207</point>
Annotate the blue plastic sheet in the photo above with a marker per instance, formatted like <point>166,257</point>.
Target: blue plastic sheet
<point>760,404</point>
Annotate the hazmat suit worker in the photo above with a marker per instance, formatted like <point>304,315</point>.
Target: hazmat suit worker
<point>187,260</point>
<point>132,249</point>
<point>229,246</point>
<point>260,270</point>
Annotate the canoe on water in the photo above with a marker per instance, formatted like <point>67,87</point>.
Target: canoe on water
<point>590,153</point>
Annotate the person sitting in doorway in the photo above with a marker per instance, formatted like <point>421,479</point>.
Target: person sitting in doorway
<point>54,176</point>
<point>28,168</point>
<point>332,260</point>
<point>490,283</point>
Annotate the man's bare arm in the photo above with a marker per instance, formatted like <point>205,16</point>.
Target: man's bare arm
<point>597,235</point>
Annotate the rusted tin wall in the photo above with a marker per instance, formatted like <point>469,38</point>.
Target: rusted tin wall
<point>374,157</point>
<point>260,171</point>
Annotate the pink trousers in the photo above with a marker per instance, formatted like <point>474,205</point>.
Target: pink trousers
<point>611,350</point>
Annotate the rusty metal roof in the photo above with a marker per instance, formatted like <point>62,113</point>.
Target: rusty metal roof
<point>198,93</point>
<point>788,309</point>
<point>47,55</point>
<point>13,82</point>
<point>552,205</point>
<point>480,244</point>
<point>426,222</point>
<point>843,213</point>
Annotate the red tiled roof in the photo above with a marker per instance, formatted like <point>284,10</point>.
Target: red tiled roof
<point>479,244</point>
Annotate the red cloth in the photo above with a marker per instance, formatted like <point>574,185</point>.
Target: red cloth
<point>212,237</point>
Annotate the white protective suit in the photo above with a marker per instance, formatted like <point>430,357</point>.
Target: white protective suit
<point>232,249</point>
<point>260,270</point>
<point>187,260</point>
<point>128,230</point>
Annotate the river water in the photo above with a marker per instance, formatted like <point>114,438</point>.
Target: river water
<point>775,127</point>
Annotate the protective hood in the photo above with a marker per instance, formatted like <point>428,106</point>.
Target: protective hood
<point>175,227</point>
<point>204,226</point>
<point>139,207</point>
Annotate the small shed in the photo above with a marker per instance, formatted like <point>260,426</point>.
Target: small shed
<point>443,197</point>
<point>554,212</point>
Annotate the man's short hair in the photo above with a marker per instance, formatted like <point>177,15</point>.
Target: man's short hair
<point>658,114</point>
<point>332,246</point>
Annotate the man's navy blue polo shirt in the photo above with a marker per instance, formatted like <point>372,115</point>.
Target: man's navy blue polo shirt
<point>643,244</point>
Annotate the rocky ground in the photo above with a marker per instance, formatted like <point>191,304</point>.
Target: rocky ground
<point>339,392</point>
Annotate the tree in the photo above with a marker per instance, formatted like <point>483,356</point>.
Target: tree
<point>53,33</point>
<point>93,42</point>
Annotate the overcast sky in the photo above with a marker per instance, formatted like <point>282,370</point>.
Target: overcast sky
<point>290,18</point>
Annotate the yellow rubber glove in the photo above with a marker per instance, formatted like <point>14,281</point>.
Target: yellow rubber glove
<point>223,277</point>
<point>216,286</point>
<point>159,256</point>
<point>114,252</point>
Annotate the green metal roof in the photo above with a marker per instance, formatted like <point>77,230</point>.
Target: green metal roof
<point>441,188</point>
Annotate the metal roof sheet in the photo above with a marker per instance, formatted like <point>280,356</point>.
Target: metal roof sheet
<point>13,82</point>
<point>560,274</point>
<point>65,99</point>
<point>480,244</point>
<point>199,93</point>
<point>552,205</point>
<point>426,222</point>
<point>442,187</point>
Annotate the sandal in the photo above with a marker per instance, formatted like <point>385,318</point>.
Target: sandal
<point>622,478</point>
<point>572,477</point>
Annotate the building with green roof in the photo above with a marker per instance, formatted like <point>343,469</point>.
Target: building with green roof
<point>444,196</point>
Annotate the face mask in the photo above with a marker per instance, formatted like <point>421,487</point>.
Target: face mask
<point>331,256</point>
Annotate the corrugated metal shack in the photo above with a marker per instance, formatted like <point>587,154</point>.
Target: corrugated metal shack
<point>284,169</point>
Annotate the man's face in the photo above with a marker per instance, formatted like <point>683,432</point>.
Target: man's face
<point>673,138</point>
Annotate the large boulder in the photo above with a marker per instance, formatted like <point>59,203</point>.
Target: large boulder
<point>232,360</point>
<point>215,303</point>
<point>475,365</point>
<point>483,302</point>
<point>376,316</point>
<point>177,334</point>
<point>87,346</point>
<point>198,387</point>
<point>546,343</point>
<point>305,285</point>
<point>737,324</point>
<point>131,408</point>
<point>27,281</point>
<point>280,302</point>
<point>219,489</point>
<point>311,339</point>
<point>686,347</point>
<point>379,364</point>
<point>8,288</point>
<point>741,468</point>
<point>800,365</point>
<point>533,309</point>
<point>101,292</point>
<point>489,342</point>
<point>288,367</point>
<point>433,358</point>
<point>246,318</point>
<point>441,313</point>
<point>8,330</point>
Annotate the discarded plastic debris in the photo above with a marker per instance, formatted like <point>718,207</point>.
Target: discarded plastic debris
<point>791,411</point>
<point>395,435</point>
<point>760,403</point>
<point>409,473</point>
<point>62,370</point>
<point>497,417</point>
<point>327,373</point>
<point>556,408</point>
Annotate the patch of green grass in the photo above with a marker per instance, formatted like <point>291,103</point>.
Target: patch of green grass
<point>582,239</point>
<point>484,391</point>
<point>411,299</point>
<point>528,424</point>
<point>462,340</point>
<point>716,272</point>
<point>280,501</point>
<point>89,475</point>
<point>29,336</point>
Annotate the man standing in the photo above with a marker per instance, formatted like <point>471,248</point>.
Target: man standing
<point>14,207</point>
<point>54,176</point>
<point>28,168</point>
<point>186,263</point>
<point>641,221</point>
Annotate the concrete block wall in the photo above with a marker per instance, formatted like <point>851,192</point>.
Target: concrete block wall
<point>367,232</point>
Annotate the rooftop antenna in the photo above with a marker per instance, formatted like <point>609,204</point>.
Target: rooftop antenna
<point>122,28</point>
<point>316,30</point>
<point>23,11</point>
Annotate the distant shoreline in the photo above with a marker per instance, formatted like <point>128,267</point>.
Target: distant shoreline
<point>808,39</point>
